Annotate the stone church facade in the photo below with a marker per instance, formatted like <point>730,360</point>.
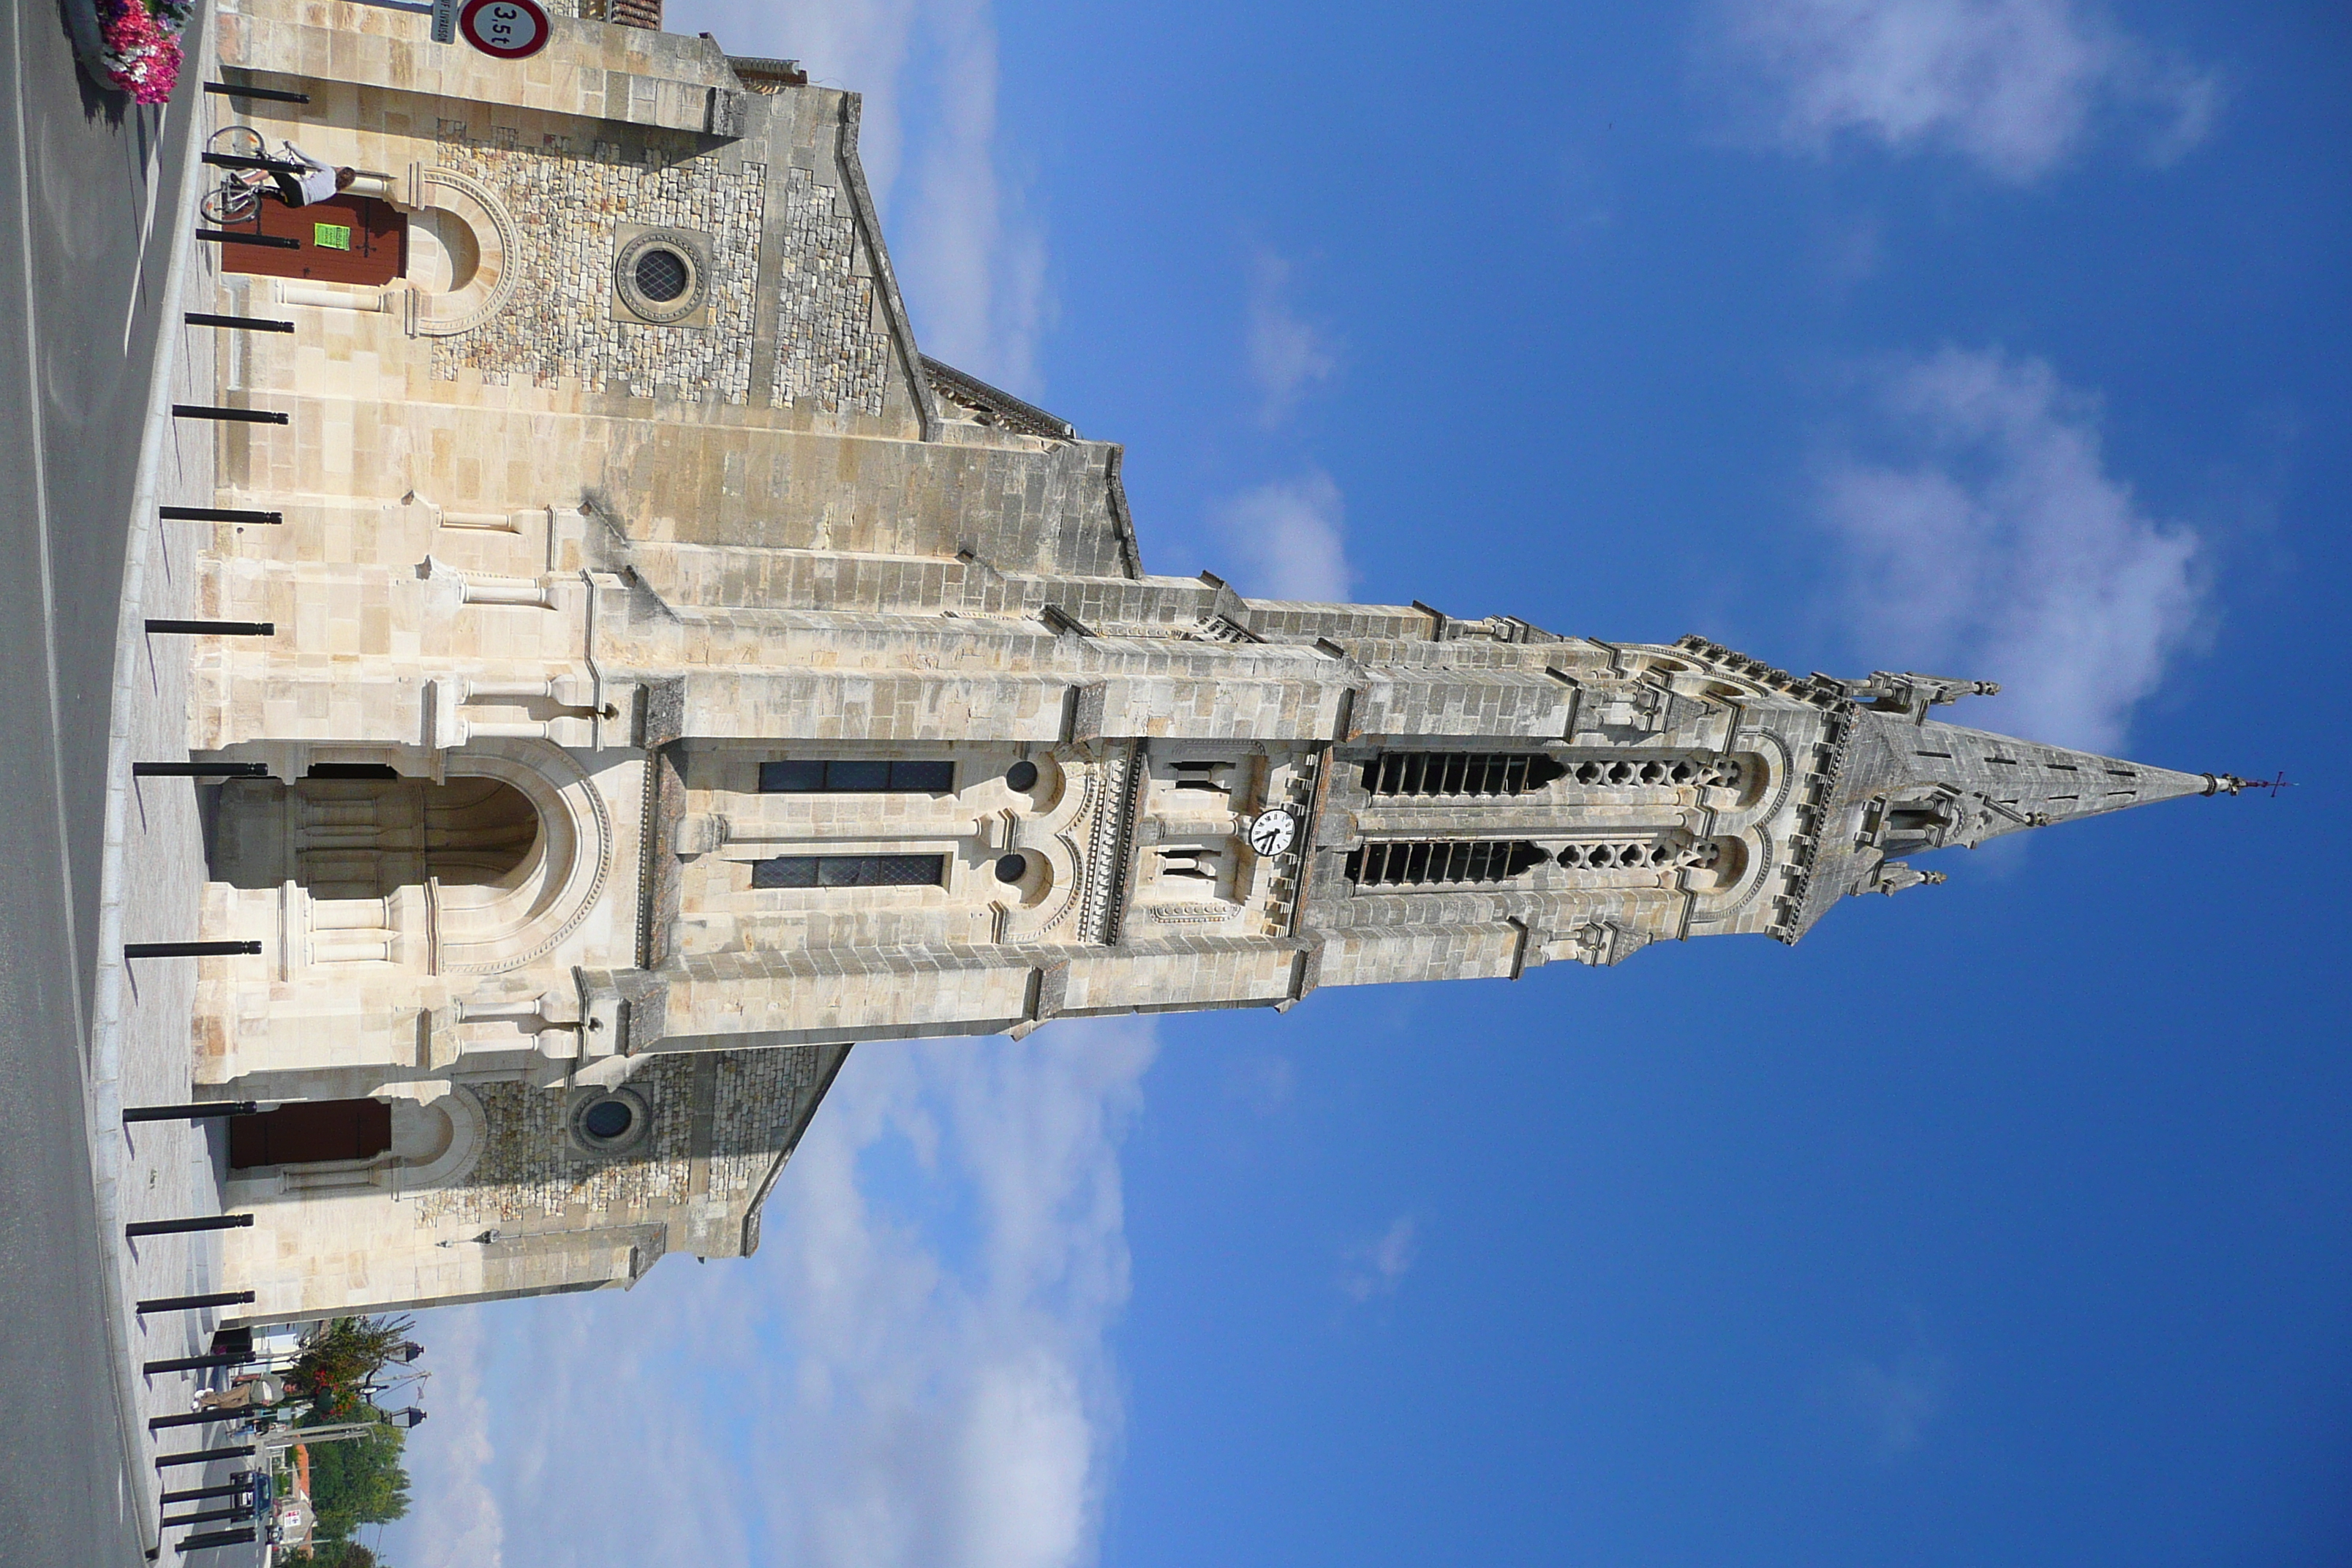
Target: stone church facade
<point>678,678</point>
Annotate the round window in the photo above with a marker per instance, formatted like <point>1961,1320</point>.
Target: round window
<point>662,275</point>
<point>609,1121</point>
<point>1012,868</point>
<point>1022,775</point>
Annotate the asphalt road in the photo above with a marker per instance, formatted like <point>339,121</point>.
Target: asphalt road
<point>87,185</point>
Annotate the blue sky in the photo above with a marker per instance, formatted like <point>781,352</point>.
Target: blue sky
<point>1997,1224</point>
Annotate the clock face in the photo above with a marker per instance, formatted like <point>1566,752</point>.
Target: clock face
<point>1272,832</point>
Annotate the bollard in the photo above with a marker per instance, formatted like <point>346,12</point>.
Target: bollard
<point>238,323</point>
<point>194,1303</point>
<point>200,770</point>
<point>197,1362</point>
<point>239,160</point>
<point>192,1112</point>
<point>275,95</point>
<point>233,236</point>
<point>216,514</point>
<point>198,1494</point>
<point>198,1418</point>
<point>216,628</point>
<point>235,415</point>
<point>209,1516</point>
<point>188,948</point>
<point>203,1455</point>
<point>218,1538</point>
<point>177,1226</point>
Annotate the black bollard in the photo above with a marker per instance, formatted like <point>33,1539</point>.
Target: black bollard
<point>218,1538</point>
<point>198,1494</point>
<point>192,1112</point>
<point>234,237</point>
<point>203,1455</point>
<point>197,1362</point>
<point>180,1226</point>
<point>200,770</point>
<point>194,1303</point>
<point>234,416</point>
<point>216,628</point>
<point>188,948</point>
<point>216,514</point>
<point>209,1516</point>
<point>239,160</point>
<point>238,323</point>
<point>274,95</point>
<point>197,1418</point>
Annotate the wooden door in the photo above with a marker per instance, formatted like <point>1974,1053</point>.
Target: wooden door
<point>309,1131</point>
<point>365,241</point>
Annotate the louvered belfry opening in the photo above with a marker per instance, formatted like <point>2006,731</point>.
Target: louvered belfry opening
<point>1422,862</point>
<point>1459,772</point>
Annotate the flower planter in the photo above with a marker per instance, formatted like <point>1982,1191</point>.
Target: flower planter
<point>130,46</point>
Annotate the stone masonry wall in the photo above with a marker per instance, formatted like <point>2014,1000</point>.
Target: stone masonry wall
<point>833,350</point>
<point>759,1094</point>
<point>568,205</point>
<point>529,1170</point>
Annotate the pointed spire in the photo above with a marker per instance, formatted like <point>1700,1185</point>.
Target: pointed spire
<point>1902,784</point>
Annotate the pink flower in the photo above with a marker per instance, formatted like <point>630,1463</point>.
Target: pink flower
<point>142,56</point>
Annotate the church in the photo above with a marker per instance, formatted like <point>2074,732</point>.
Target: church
<point>674,678</point>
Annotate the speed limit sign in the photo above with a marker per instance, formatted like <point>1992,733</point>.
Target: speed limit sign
<point>510,29</point>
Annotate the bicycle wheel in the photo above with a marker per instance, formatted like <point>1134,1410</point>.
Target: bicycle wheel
<point>236,142</point>
<point>233,201</point>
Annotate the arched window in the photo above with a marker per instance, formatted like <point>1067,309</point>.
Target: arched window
<point>1422,862</point>
<point>1459,772</point>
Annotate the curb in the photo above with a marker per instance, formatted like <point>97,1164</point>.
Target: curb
<point>104,1096</point>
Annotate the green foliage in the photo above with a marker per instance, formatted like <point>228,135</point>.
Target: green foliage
<point>361,1481</point>
<point>342,1354</point>
<point>344,1554</point>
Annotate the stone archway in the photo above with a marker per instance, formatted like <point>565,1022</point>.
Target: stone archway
<point>364,832</point>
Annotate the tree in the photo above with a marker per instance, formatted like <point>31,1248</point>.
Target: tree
<point>353,1483</point>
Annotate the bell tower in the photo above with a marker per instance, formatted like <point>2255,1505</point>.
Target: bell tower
<point>1688,791</point>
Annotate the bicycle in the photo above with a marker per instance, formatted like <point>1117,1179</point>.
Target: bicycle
<point>238,196</point>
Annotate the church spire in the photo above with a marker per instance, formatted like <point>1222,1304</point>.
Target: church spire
<point>1904,784</point>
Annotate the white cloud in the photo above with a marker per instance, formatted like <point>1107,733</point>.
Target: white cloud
<point>2013,86</point>
<point>1377,1268</point>
<point>1287,354</point>
<point>456,1521</point>
<point>1289,537</point>
<point>1988,540</point>
<point>971,261</point>
<point>1894,1403</point>
<point>913,1369</point>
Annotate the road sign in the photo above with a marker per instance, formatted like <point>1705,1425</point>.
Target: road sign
<point>510,29</point>
<point>445,21</point>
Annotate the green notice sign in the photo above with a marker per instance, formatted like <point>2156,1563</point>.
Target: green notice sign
<point>330,235</point>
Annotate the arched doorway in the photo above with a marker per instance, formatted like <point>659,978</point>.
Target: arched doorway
<point>364,832</point>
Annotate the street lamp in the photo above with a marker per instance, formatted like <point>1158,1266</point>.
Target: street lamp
<point>408,1419</point>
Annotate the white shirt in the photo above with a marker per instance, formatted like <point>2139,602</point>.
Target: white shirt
<point>318,181</point>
